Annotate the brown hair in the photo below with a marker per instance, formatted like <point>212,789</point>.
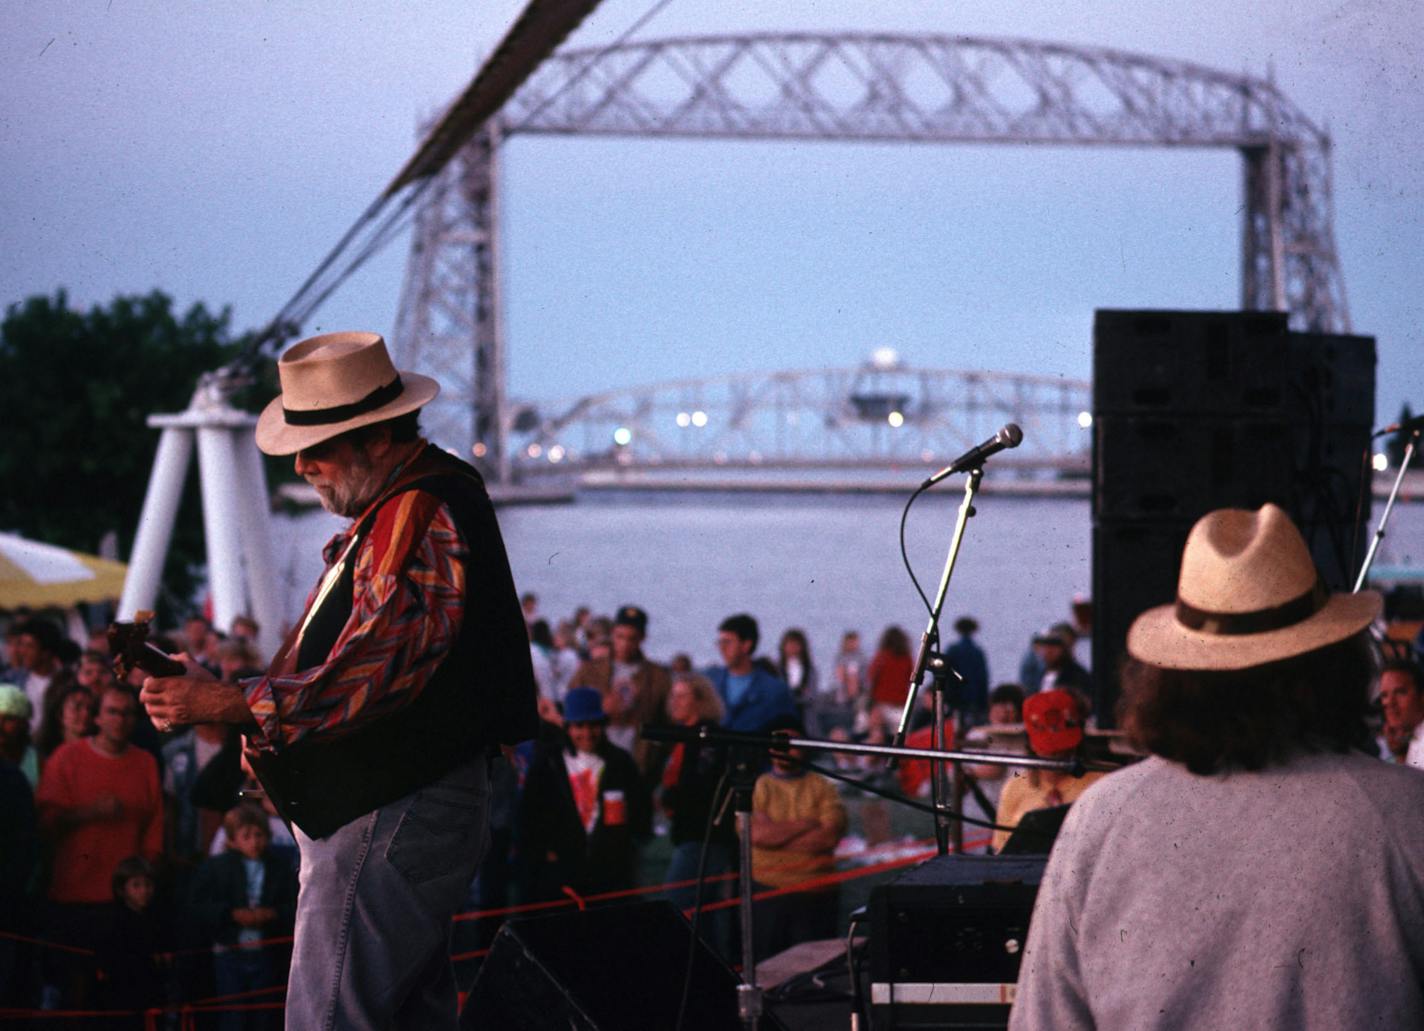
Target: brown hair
<point>1252,718</point>
<point>244,815</point>
<point>1411,669</point>
<point>894,641</point>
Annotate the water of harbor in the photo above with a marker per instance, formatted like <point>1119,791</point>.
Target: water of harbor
<point>824,563</point>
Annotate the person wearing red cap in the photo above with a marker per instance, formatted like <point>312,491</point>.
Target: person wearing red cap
<point>1054,721</point>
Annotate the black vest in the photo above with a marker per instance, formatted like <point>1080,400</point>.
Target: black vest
<point>482,694</point>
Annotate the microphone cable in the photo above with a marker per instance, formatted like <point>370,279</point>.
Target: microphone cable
<point>904,553</point>
<point>717,802</point>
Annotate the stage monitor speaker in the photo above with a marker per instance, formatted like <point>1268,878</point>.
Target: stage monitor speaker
<point>1194,411</point>
<point>946,939</point>
<point>611,968</point>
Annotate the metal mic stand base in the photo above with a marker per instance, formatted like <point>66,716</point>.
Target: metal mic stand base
<point>744,768</point>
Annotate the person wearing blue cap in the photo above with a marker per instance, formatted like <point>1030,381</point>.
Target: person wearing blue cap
<point>583,809</point>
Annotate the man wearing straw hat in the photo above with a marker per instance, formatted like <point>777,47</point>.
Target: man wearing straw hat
<point>372,728</point>
<point>1256,870</point>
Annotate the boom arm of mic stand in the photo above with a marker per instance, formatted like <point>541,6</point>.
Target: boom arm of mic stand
<point>1409,450</point>
<point>705,735</point>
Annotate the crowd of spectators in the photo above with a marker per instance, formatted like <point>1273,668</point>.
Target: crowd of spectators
<point>131,855</point>
<point>109,804</point>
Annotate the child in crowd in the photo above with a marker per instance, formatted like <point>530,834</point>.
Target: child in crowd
<point>132,957</point>
<point>242,899</point>
<point>280,842</point>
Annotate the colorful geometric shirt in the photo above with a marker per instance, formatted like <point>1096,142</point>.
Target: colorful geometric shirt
<point>407,603</point>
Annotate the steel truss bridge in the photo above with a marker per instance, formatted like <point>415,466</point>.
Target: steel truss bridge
<point>871,87</point>
<point>878,415</point>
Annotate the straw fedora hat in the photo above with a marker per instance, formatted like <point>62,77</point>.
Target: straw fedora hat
<point>334,383</point>
<point>1248,595</point>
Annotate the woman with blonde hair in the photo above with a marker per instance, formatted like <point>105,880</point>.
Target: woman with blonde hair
<point>689,787</point>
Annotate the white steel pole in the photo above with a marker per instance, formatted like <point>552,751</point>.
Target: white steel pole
<point>222,487</point>
<point>155,523</point>
<point>262,587</point>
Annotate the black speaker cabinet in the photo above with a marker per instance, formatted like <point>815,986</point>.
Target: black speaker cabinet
<point>1167,362</point>
<point>612,968</point>
<point>1195,411</point>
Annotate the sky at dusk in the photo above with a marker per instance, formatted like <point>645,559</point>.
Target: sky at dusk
<point>216,152</point>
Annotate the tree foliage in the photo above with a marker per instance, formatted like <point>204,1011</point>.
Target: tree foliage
<point>76,389</point>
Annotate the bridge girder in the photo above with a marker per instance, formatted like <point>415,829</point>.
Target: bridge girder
<point>871,416</point>
<point>889,88</point>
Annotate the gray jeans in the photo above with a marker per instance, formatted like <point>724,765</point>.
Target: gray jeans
<point>373,914</point>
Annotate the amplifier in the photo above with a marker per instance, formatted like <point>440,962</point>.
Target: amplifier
<point>946,939</point>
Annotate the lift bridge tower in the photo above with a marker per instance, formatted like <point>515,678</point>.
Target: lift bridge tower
<point>876,87</point>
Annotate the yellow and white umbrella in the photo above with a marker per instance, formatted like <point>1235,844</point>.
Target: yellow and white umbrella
<point>42,576</point>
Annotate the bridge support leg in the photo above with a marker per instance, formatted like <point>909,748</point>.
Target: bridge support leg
<point>451,321</point>
<point>1263,274</point>
<point>481,187</point>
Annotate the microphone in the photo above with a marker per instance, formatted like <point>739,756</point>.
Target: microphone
<point>1403,426</point>
<point>1009,436</point>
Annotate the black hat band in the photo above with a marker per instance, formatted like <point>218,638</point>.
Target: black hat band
<point>1232,624</point>
<point>325,416</point>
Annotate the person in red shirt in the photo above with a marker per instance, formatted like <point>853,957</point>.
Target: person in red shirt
<point>99,802</point>
<point>889,678</point>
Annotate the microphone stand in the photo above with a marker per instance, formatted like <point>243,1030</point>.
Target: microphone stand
<point>744,767</point>
<point>1409,450</point>
<point>931,666</point>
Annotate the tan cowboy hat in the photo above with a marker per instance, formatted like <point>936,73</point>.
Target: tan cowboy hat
<point>1248,594</point>
<point>334,383</point>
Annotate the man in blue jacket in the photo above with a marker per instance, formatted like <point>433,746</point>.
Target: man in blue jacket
<point>753,697</point>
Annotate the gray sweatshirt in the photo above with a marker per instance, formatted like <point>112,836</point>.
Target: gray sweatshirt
<point>1290,898</point>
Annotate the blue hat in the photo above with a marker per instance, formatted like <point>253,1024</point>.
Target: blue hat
<point>584,705</point>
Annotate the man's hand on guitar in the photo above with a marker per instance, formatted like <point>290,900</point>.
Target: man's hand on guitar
<point>196,697</point>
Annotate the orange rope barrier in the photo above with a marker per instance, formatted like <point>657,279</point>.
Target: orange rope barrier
<point>47,944</point>
<point>226,1003</point>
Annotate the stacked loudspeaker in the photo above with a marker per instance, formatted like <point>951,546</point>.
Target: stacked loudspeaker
<point>1194,411</point>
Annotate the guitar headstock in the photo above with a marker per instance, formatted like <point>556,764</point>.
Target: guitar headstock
<point>131,649</point>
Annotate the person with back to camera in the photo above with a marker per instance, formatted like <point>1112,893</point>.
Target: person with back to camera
<point>889,678</point>
<point>798,672</point>
<point>1256,871</point>
<point>968,660</point>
